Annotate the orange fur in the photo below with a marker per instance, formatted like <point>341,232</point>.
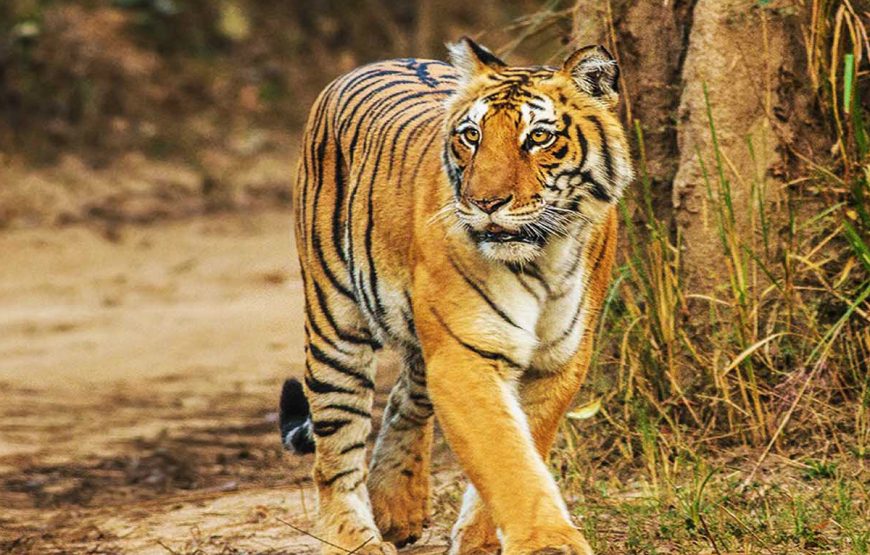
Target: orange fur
<point>464,215</point>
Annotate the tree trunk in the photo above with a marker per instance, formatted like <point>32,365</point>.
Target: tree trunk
<point>736,55</point>
<point>671,51</point>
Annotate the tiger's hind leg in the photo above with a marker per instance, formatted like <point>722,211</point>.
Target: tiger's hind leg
<point>339,385</point>
<point>399,482</point>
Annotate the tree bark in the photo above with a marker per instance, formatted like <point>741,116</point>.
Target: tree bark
<point>736,52</point>
<point>669,53</point>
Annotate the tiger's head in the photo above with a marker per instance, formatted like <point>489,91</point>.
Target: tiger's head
<point>532,153</point>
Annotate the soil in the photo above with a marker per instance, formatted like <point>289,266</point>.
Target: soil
<point>140,376</point>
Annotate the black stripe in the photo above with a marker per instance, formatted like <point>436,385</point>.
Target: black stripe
<point>408,315</point>
<point>600,256</point>
<point>317,250</point>
<point>454,175</point>
<point>352,447</point>
<point>599,191</point>
<point>342,334</point>
<point>376,306</point>
<point>566,123</point>
<point>567,331</point>
<point>354,79</point>
<point>420,160</point>
<point>421,382</point>
<point>338,476</point>
<point>394,412</point>
<point>370,92</point>
<point>317,118</point>
<point>326,428</point>
<point>489,355</point>
<point>581,301</point>
<point>350,409</point>
<point>418,372</point>
<point>318,386</point>
<point>605,149</point>
<point>359,84</point>
<point>309,168</point>
<point>374,112</point>
<point>421,400</point>
<point>340,170</point>
<point>578,257</point>
<point>531,270</point>
<point>528,287</point>
<point>379,310</point>
<point>584,146</point>
<point>413,419</point>
<point>315,327</point>
<point>412,134</point>
<point>504,316</point>
<point>329,361</point>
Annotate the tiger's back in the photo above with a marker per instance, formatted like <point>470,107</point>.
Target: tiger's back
<point>370,136</point>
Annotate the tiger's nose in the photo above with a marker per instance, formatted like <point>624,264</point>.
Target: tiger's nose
<point>490,205</point>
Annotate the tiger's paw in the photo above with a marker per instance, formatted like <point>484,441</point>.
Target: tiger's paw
<point>400,503</point>
<point>475,536</point>
<point>553,541</point>
<point>364,543</point>
<point>345,528</point>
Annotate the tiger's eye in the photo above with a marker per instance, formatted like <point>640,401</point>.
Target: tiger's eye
<point>471,135</point>
<point>539,136</point>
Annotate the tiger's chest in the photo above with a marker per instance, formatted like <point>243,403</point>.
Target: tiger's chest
<point>536,315</point>
<point>553,298</point>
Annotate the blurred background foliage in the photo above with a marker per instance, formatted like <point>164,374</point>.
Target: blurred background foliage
<point>172,76</point>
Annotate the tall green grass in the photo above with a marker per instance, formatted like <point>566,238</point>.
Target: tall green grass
<point>782,346</point>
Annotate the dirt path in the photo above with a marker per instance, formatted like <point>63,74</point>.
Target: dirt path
<point>139,382</point>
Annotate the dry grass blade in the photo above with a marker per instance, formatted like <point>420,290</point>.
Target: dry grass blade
<point>749,350</point>
<point>321,540</point>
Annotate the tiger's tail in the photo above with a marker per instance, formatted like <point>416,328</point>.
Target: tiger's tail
<point>295,419</point>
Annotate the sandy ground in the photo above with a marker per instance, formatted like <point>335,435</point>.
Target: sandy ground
<point>139,378</point>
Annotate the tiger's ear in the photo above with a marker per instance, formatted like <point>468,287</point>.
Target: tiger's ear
<point>595,72</point>
<point>472,59</point>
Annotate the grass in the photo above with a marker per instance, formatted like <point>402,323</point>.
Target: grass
<point>708,510</point>
<point>779,518</point>
<point>738,421</point>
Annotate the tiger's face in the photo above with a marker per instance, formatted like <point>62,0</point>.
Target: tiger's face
<point>532,153</point>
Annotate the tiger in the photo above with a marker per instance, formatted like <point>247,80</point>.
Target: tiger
<point>463,214</point>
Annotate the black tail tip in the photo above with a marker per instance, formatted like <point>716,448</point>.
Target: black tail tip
<point>294,421</point>
<point>294,405</point>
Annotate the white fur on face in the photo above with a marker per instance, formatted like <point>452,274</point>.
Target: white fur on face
<point>477,111</point>
<point>540,114</point>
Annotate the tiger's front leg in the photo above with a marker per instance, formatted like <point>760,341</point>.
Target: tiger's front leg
<point>545,397</point>
<point>475,398</point>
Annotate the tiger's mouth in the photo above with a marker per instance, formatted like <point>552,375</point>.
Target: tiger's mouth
<point>496,234</point>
